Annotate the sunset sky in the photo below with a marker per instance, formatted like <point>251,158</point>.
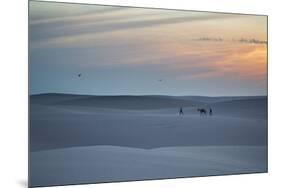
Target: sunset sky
<point>136,51</point>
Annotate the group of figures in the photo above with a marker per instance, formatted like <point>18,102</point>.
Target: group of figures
<point>202,111</point>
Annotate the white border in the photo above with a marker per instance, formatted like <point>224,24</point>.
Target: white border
<point>13,99</point>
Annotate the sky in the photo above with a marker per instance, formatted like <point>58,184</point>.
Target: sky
<point>137,51</point>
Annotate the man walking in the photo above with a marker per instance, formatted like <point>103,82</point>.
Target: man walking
<point>181,111</point>
<point>211,112</point>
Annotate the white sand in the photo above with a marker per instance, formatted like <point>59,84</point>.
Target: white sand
<point>75,141</point>
<point>94,164</point>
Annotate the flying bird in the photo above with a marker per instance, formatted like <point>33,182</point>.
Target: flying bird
<point>160,80</point>
<point>79,75</point>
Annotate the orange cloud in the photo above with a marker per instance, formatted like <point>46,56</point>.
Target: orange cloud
<point>219,60</point>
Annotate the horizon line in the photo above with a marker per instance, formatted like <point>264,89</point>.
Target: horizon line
<point>108,95</point>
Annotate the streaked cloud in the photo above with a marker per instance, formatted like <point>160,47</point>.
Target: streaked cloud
<point>80,28</point>
<point>189,50</point>
<point>219,39</point>
<point>252,41</point>
<point>242,40</point>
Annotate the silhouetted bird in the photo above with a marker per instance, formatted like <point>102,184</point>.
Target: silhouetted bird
<point>79,75</point>
<point>160,80</point>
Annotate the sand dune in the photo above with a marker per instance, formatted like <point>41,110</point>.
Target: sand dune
<point>110,163</point>
<point>69,130</point>
<point>251,108</point>
<point>119,102</point>
<point>52,98</point>
<point>146,102</point>
<point>208,100</point>
<point>59,126</point>
<point>88,139</point>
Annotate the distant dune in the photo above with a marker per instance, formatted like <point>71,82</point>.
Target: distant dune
<point>119,102</point>
<point>138,102</point>
<point>53,98</point>
<point>208,100</point>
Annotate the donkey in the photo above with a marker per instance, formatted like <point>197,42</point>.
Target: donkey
<point>202,111</point>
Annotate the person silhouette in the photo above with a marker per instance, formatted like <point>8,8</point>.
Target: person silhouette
<point>181,111</point>
<point>211,112</point>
